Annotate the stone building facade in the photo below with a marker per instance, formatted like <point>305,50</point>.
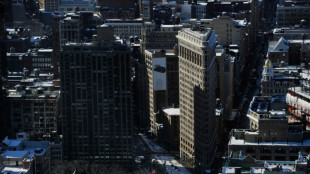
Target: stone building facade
<point>197,97</point>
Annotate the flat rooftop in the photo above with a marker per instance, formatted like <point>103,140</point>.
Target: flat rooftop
<point>14,154</point>
<point>172,111</point>
<point>14,170</point>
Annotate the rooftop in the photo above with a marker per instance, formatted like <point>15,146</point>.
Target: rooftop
<point>14,154</point>
<point>234,141</point>
<point>278,46</point>
<point>14,170</point>
<point>172,111</point>
<point>11,142</point>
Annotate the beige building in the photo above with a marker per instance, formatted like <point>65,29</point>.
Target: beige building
<point>275,139</point>
<point>264,107</point>
<point>164,38</point>
<point>163,83</point>
<point>235,34</point>
<point>275,81</point>
<point>229,30</point>
<point>197,97</point>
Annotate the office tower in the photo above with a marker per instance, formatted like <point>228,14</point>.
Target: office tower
<point>96,99</point>
<point>197,97</point>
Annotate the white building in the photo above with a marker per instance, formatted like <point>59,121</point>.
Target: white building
<point>126,28</point>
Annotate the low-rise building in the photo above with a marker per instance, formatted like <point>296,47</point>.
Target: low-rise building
<point>274,140</point>
<point>25,156</point>
<point>290,13</point>
<point>32,59</point>
<point>238,162</point>
<point>278,51</point>
<point>265,106</point>
<point>290,33</point>
<point>34,109</point>
<point>71,5</point>
<point>171,128</point>
<point>276,80</point>
<point>126,28</point>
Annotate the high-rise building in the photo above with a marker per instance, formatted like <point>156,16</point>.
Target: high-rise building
<point>163,83</point>
<point>97,99</point>
<point>163,38</point>
<point>197,97</point>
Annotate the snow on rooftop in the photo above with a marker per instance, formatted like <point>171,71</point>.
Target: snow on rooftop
<point>229,170</point>
<point>14,154</point>
<point>172,111</point>
<point>170,165</point>
<point>257,170</point>
<point>278,46</point>
<point>14,170</point>
<point>234,141</point>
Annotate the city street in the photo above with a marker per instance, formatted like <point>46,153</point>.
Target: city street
<point>252,89</point>
<point>157,159</point>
